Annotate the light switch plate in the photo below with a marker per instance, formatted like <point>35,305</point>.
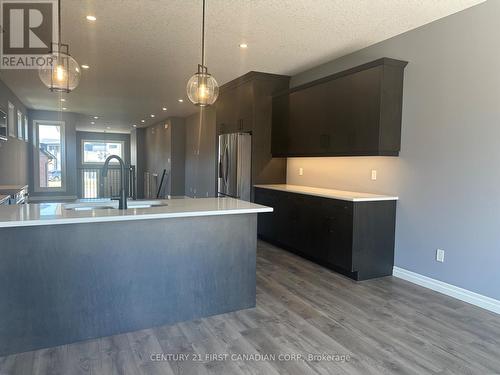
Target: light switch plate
<point>440,255</point>
<point>374,174</point>
<point>301,171</point>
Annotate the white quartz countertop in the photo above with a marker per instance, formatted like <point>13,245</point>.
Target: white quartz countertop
<point>58,213</point>
<point>352,196</point>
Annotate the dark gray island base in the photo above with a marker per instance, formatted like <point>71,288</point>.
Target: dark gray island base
<point>65,283</point>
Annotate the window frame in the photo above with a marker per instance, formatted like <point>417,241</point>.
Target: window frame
<point>36,154</point>
<point>113,162</point>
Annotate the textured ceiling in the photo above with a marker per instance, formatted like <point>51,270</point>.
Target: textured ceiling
<point>142,52</point>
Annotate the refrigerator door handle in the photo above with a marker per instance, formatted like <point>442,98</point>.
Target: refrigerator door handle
<point>222,158</point>
<point>226,157</point>
<point>223,162</point>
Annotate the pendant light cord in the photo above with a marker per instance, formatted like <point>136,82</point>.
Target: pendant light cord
<point>202,37</point>
<point>60,26</point>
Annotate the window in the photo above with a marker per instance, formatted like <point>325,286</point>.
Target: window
<point>19,124</point>
<point>3,126</point>
<point>11,120</point>
<point>26,128</point>
<point>50,174</point>
<point>96,152</point>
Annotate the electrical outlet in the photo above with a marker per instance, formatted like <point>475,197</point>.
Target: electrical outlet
<point>440,255</point>
<point>301,171</point>
<point>374,174</point>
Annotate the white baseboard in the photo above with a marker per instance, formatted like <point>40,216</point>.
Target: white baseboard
<point>465,295</point>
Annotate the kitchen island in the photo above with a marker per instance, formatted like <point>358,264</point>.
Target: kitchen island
<point>70,272</point>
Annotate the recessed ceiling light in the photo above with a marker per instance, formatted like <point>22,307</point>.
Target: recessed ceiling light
<point>135,126</point>
<point>143,121</point>
<point>96,117</point>
<point>64,108</point>
<point>63,100</point>
<point>92,122</point>
<point>180,100</point>
<point>91,18</point>
<point>85,66</point>
<point>152,116</point>
<point>164,109</point>
<point>108,127</point>
<point>243,45</point>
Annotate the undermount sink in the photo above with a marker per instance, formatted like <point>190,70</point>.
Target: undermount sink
<point>89,206</point>
<point>146,204</point>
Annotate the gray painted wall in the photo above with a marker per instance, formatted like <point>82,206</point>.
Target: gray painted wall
<point>138,157</point>
<point>448,172</point>
<point>178,139</point>
<point>201,154</point>
<point>14,152</point>
<point>157,150</point>
<point>163,148</point>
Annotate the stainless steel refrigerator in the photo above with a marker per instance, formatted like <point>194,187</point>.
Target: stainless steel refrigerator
<point>235,165</point>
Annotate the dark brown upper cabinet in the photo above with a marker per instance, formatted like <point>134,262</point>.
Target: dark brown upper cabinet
<point>356,112</point>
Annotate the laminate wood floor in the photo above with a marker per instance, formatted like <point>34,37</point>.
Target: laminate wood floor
<point>379,326</point>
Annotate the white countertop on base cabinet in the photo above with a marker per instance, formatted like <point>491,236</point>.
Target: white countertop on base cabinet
<point>351,196</point>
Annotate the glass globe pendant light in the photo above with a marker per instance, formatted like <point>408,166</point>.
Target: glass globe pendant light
<point>62,72</point>
<point>202,88</point>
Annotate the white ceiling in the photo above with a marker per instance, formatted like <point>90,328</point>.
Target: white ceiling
<point>142,52</point>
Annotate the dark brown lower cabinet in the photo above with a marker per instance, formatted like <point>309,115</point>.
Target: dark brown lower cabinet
<point>353,238</point>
